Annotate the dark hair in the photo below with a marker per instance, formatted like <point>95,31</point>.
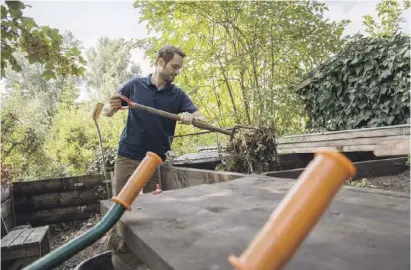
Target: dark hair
<point>167,53</point>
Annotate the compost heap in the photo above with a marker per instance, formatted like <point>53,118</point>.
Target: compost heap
<point>251,151</point>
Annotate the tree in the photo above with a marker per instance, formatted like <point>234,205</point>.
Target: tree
<point>389,18</point>
<point>43,45</point>
<point>109,66</point>
<point>74,143</point>
<point>28,109</point>
<point>244,56</point>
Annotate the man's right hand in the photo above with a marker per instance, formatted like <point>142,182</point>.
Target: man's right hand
<point>115,102</point>
<point>113,105</point>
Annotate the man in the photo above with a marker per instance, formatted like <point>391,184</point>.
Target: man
<point>145,131</point>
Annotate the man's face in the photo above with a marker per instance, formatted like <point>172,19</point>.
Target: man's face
<point>169,71</point>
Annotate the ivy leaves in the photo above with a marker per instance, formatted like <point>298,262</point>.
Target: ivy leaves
<point>365,85</point>
<point>42,45</point>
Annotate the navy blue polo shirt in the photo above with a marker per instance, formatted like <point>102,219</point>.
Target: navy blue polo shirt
<point>147,131</point>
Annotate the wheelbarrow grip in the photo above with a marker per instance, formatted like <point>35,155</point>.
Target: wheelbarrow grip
<point>204,125</point>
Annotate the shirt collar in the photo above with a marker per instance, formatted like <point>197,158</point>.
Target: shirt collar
<point>169,85</point>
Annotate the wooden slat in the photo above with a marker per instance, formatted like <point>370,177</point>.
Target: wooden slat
<point>174,178</point>
<point>6,208</point>
<point>56,215</point>
<point>22,237</point>
<point>37,235</point>
<point>9,222</point>
<point>339,142</point>
<point>348,134</point>
<point>9,238</point>
<point>19,252</point>
<point>56,185</point>
<point>60,199</point>
<point>393,147</point>
<point>23,262</point>
<point>5,193</point>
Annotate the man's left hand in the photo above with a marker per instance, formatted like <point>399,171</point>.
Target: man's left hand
<point>187,118</point>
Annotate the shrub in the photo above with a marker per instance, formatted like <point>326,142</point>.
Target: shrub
<point>365,85</point>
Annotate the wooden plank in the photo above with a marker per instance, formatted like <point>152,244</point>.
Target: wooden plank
<point>6,209</point>
<point>22,237</point>
<point>57,215</point>
<point>20,227</point>
<point>60,199</point>
<point>340,142</point>
<point>30,242</point>
<point>365,169</point>
<point>344,149</point>
<point>21,263</point>
<point>19,252</point>
<point>9,222</point>
<point>37,236</point>
<point>199,227</point>
<point>393,147</point>
<point>173,177</point>
<point>9,238</point>
<point>397,130</point>
<point>5,193</point>
<point>56,185</point>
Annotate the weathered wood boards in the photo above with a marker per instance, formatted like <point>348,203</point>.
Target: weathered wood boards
<point>383,141</point>
<point>174,177</point>
<point>7,216</point>
<point>56,185</point>
<point>370,168</point>
<point>21,247</point>
<point>5,193</point>
<point>57,215</point>
<point>50,201</point>
<point>199,227</point>
<point>58,199</point>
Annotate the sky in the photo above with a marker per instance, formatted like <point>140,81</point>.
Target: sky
<point>90,20</point>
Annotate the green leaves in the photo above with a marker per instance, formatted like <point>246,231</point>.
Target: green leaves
<point>41,44</point>
<point>244,56</point>
<point>373,91</point>
<point>389,18</point>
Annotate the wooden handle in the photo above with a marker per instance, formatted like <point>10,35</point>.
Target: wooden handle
<point>155,111</point>
<point>196,123</point>
<point>204,125</point>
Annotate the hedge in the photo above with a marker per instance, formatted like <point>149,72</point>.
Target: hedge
<point>366,85</point>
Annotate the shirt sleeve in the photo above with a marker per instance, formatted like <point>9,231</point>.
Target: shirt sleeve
<point>125,91</point>
<point>186,105</point>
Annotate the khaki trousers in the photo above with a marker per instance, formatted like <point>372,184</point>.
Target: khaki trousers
<point>123,258</point>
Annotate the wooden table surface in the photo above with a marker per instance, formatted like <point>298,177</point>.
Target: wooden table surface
<point>200,226</point>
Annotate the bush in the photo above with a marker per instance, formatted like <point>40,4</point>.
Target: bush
<point>365,85</point>
<point>96,167</point>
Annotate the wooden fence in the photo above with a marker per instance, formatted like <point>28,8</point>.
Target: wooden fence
<point>6,210</point>
<point>51,201</point>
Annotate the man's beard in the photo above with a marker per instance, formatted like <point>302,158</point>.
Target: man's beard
<point>166,77</point>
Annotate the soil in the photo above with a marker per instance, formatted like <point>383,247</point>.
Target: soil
<point>64,232</point>
<point>397,183</point>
